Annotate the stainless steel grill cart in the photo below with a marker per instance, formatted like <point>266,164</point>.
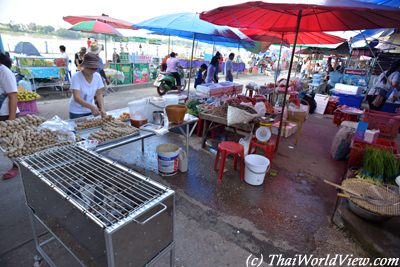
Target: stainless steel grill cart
<point>103,213</point>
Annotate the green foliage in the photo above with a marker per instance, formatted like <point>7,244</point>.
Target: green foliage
<point>40,29</point>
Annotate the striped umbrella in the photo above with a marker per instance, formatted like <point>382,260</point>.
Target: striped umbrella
<point>94,26</point>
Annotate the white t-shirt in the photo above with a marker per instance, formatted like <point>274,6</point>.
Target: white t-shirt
<point>395,76</point>
<point>87,91</point>
<point>172,64</point>
<point>8,84</point>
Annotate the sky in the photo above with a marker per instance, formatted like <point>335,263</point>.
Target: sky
<point>50,12</point>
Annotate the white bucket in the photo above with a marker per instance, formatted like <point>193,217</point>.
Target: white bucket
<point>256,167</point>
<point>137,109</point>
<point>170,99</point>
<point>167,157</point>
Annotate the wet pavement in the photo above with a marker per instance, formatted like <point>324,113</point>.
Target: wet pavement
<point>291,211</point>
<point>216,224</point>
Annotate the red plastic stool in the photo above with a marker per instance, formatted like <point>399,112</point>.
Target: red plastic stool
<point>224,149</point>
<point>268,148</point>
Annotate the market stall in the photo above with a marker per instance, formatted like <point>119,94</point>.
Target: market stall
<point>43,72</point>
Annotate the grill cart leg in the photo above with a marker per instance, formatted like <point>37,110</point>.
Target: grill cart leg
<point>39,249</point>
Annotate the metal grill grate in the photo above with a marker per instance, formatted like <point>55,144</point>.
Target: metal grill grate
<point>101,188</point>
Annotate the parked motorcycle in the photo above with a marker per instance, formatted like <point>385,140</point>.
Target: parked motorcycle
<point>166,82</point>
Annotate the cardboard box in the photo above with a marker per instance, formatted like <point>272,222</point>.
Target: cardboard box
<point>288,129</point>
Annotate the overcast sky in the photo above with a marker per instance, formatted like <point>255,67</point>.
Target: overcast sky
<point>50,12</point>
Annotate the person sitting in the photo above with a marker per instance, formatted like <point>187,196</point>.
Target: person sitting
<point>86,85</point>
<point>389,79</point>
<point>200,77</point>
<point>335,77</point>
<point>172,68</point>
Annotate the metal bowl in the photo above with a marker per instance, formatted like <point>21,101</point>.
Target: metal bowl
<point>366,214</point>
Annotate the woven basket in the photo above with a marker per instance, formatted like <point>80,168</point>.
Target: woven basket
<point>390,205</point>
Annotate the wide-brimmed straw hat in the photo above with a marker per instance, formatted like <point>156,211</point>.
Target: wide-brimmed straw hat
<point>91,61</point>
<point>95,48</point>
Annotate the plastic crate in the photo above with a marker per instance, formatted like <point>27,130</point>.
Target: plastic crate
<point>387,123</point>
<point>349,100</point>
<point>356,156</point>
<point>390,107</point>
<point>27,107</point>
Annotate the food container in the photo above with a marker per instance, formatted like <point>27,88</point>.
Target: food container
<point>176,113</point>
<point>138,123</point>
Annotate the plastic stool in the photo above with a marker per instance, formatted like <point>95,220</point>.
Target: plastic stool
<point>224,149</point>
<point>268,148</point>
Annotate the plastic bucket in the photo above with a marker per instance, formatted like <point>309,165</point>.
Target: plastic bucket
<point>256,167</point>
<point>137,109</point>
<point>170,99</point>
<point>167,157</point>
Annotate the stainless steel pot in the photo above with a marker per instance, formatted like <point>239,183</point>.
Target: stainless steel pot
<point>158,117</point>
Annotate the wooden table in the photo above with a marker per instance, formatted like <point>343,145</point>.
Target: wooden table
<point>211,122</point>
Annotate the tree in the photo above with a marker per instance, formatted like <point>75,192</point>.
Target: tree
<point>32,27</point>
<point>48,29</point>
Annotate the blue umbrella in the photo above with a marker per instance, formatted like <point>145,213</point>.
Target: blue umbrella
<point>383,32</point>
<point>26,48</point>
<point>190,26</point>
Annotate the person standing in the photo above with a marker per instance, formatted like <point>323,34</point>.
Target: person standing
<point>8,100</point>
<point>86,85</point>
<point>217,57</point>
<point>172,68</point>
<point>95,48</point>
<point>211,70</point>
<point>66,60</point>
<point>89,42</point>
<point>79,58</point>
<point>389,79</point>
<point>229,68</point>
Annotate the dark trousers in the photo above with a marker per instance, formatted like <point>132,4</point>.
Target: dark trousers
<point>177,78</point>
<point>75,116</point>
<point>371,98</point>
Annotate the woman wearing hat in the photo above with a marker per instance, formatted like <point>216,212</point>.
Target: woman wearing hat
<point>95,48</point>
<point>86,85</point>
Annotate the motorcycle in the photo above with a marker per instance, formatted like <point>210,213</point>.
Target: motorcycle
<point>166,82</point>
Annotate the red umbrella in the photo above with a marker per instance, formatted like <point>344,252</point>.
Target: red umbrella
<point>304,16</point>
<point>303,37</point>
<point>94,26</point>
<point>116,23</point>
<point>316,15</point>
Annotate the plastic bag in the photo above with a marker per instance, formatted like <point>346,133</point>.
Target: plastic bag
<point>237,115</point>
<point>64,129</point>
<point>341,143</point>
<point>57,124</point>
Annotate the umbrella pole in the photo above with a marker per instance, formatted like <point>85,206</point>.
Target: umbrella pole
<point>288,80</point>
<point>279,59</point>
<point>105,46</point>
<point>237,60</point>
<point>277,67</point>
<point>191,65</point>
<point>169,43</point>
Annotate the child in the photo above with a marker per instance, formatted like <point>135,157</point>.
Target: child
<point>199,79</point>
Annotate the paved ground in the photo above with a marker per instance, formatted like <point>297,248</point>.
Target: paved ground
<point>216,224</point>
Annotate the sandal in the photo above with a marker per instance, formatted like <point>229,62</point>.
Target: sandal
<point>11,173</point>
